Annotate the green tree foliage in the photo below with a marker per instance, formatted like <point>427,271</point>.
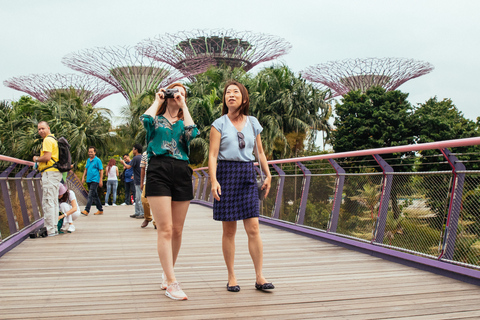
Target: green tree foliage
<point>205,104</point>
<point>285,104</point>
<point>441,120</point>
<point>374,119</point>
<point>82,125</point>
<point>131,131</point>
<point>290,110</point>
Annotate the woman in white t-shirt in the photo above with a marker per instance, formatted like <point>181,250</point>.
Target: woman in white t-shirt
<point>68,208</point>
<point>112,182</point>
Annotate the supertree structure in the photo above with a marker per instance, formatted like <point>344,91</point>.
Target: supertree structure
<point>360,74</point>
<point>224,46</point>
<point>45,86</point>
<point>126,69</point>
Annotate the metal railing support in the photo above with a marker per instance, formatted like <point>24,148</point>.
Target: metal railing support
<point>305,189</point>
<point>21,196</point>
<point>6,198</point>
<point>199,184</point>
<point>194,180</point>
<point>454,206</point>
<point>33,198</point>
<point>205,183</point>
<point>278,197</point>
<point>381,222</point>
<point>337,198</point>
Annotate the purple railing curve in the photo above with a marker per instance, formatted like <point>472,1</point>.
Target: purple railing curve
<point>397,214</point>
<point>21,198</point>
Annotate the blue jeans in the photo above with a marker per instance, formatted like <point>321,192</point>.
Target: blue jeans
<point>138,201</point>
<point>93,196</point>
<point>111,187</point>
<point>129,187</point>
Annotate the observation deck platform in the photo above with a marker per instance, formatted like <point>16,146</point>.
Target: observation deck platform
<point>109,269</point>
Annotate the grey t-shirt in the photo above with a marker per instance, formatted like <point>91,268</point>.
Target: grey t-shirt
<point>229,142</point>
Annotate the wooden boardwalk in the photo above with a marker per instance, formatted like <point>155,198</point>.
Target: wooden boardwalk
<point>109,269</point>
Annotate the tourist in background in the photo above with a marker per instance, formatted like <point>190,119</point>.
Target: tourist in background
<point>50,177</point>
<point>112,181</point>
<point>129,183</point>
<point>233,180</point>
<point>94,177</point>
<point>68,208</point>
<point>134,165</point>
<point>143,178</point>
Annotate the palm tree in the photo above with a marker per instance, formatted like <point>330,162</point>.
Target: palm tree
<point>82,125</point>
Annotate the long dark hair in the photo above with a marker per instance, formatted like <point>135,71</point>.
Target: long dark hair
<point>245,98</point>
<point>65,197</point>
<point>111,163</point>
<point>163,107</point>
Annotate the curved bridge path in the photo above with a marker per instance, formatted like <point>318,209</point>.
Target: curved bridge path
<point>109,269</point>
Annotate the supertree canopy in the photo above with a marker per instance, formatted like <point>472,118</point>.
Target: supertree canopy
<point>223,47</point>
<point>360,74</point>
<point>127,70</point>
<point>45,86</point>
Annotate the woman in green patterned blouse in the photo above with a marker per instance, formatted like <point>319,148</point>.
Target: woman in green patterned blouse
<point>170,128</point>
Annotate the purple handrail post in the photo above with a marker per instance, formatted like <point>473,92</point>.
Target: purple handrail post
<point>194,179</point>
<point>199,184</point>
<point>305,189</point>
<point>337,198</point>
<point>38,180</point>
<point>21,196</point>
<point>381,222</point>
<point>33,198</point>
<point>278,198</point>
<point>454,207</point>
<point>6,198</point>
<point>205,178</point>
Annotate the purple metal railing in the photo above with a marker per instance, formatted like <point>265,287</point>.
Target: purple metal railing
<point>358,209</point>
<point>21,198</point>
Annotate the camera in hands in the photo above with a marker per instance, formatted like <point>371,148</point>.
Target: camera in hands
<point>169,93</point>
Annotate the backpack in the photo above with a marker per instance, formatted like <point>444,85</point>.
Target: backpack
<point>64,162</point>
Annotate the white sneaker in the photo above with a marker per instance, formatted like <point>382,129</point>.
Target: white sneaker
<point>175,292</point>
<point>164,282</point>
<point>71,228</point>
<point>54,234</point>
<point>64,228</point>
<point>114,204</point>
<point>106,205</point>
<point>123,204</point>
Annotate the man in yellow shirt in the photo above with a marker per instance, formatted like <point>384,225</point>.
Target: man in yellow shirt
<point>50,177</point>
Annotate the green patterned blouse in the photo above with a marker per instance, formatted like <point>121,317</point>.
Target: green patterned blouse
<point>166,139</point>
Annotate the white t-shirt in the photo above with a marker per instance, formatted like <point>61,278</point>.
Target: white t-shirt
<point>112,174</point>
<point>73,197</point>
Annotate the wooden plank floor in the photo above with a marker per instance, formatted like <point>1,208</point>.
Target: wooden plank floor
<point>109,269</point>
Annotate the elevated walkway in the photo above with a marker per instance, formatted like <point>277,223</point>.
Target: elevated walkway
<point>109,269</point>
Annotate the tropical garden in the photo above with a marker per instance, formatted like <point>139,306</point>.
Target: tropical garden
<point>294,115</point>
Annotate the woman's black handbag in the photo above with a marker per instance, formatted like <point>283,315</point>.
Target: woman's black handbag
<point>261,179</point>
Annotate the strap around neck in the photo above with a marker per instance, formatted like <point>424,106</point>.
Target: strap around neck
<point>256,147</point>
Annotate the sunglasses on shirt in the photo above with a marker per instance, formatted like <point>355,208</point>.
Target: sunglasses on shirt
<point>241,140</point>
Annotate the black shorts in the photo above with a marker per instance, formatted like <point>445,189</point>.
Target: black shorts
<point>169,177</point>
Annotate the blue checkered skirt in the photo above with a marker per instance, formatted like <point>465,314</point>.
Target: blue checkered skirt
<point>239,199</point>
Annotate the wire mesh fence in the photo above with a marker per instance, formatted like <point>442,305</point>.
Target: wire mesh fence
<point>420,219</point>
<point>21,196</point>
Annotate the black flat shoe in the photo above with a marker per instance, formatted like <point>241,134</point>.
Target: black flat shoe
<point>233,288</point>
<point>265,286</point>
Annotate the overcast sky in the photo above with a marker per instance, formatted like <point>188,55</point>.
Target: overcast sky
<point>36,34</point>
